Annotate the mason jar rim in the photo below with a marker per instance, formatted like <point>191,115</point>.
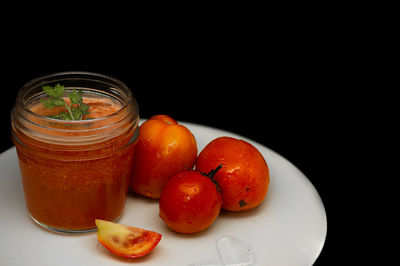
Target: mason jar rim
<point>24,89</point>
<point>63,132</point>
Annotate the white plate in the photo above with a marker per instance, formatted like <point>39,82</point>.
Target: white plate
<point>288,228</point>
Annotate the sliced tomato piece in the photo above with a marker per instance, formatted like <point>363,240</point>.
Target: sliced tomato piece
<point>126,241</point>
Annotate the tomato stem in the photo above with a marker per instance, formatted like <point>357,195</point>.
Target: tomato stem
<point>214,171</point>
<point>211,175</point>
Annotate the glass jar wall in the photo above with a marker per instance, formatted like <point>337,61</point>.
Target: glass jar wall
<point>74,171</point>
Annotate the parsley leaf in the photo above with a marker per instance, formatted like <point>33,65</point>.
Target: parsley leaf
<point>75,96</point>
<point>56,92</point>
<point>74,111</point>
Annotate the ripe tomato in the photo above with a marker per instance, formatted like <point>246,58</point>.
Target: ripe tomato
<point>190,202</point>
<point>244,177</point>
<point>165,118</point>
<point>164,148</point>
<point>126,241</point>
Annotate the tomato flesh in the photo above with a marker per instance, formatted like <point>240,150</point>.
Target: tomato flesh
<point>126,241</point>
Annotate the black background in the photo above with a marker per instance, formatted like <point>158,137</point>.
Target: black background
<point>286,94</point>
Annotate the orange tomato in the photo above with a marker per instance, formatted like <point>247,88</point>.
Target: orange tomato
<point>244,177</point>
<point>164,149</point>
<point>165,118</point>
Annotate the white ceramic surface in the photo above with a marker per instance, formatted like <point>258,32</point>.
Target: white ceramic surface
<point>288,228</point>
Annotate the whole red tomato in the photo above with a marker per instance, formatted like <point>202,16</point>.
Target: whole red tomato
<point>164,148</point>
<point>244,177</point>
<point>190,202</point>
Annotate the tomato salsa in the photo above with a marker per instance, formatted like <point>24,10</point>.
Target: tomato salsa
<point>76,172</point>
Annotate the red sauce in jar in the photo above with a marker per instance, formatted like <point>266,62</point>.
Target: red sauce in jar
<point>67,186</point>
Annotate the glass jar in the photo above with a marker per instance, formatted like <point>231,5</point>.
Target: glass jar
<point>74,171</point>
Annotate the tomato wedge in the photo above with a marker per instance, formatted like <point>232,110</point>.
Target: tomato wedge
<point>126,241</point>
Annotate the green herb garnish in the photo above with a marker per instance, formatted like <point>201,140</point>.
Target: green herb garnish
<point>75,110</point>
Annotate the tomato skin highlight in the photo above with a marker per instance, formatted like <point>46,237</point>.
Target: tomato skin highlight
<point>243,179</point>
<point>189,202</point>
<point>164,118</point>
<point>126,241</point>
<point>164,148</point>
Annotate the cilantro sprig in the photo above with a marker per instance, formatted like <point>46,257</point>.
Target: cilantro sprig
<point>74,111</point>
